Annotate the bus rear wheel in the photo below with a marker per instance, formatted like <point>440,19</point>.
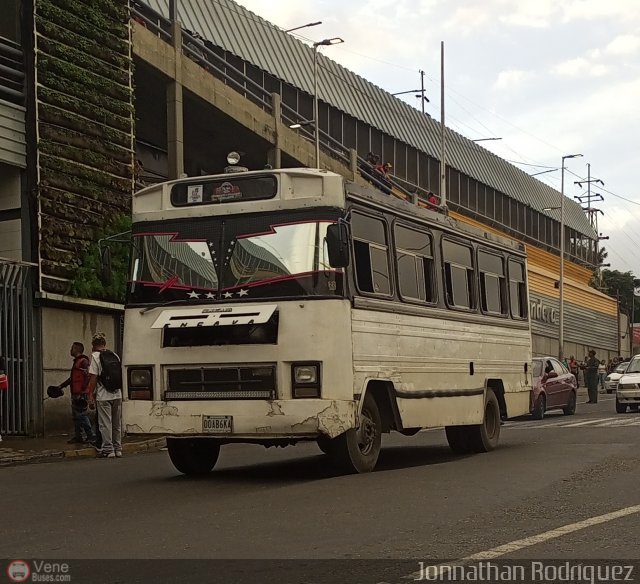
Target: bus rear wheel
<point>357,450</point>
<point>193,457</point>
<point>479,438</point>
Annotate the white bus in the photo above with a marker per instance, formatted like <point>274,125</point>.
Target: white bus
<point>279,306</point>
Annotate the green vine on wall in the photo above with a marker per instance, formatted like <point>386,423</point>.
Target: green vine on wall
<point>87,283</point>
<point>85,117</point>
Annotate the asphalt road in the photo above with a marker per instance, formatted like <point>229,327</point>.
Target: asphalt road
<point>422,503</point>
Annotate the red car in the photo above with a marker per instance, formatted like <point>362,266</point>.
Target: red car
<point>554,388</point>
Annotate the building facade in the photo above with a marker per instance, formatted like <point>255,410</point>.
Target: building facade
<point>87,88</point>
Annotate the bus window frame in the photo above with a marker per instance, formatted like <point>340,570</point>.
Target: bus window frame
<point>434,280</point>
<point>506,304</point>
<point>474,288</point>
<point>525,301</point>
<point>390,262</point>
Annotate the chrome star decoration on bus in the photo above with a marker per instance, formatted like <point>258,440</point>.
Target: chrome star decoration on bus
<point>194,294</point>
<point>243,292</point>
<point>211,295</point>
<point>228,295</point>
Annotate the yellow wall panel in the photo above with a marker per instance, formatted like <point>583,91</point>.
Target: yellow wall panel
<point>544,270</point>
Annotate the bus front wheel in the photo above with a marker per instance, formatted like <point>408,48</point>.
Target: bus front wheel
<point>357,450</point>
<point>194,457</point>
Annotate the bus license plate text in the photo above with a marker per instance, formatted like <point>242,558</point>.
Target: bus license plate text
<point>217,424</point>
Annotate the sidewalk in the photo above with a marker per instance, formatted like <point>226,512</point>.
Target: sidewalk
<point>18,450</point>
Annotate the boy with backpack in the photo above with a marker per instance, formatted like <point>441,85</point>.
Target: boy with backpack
<point>105,386</point>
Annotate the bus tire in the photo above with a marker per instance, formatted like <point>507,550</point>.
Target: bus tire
<point>458,439</point>
<point>193,457</point>
<point>324,444</point>
<point>481,437</point>
<point>357,450</point>
<point>485,437</point>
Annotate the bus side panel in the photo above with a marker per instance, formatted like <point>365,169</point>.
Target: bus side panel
<point>428,359</point>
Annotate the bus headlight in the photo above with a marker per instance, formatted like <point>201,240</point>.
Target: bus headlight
<point>305,379</point>
<point>140,382</point>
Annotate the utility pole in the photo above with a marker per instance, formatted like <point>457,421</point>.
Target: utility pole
<point>443,157</point>
<point>422,99</point>
<point>618,315</point>
<point>592,212</point>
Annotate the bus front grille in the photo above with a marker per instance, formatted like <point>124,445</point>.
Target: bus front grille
<point>208,383</point>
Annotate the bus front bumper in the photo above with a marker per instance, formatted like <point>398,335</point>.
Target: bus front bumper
<point>249,419</point>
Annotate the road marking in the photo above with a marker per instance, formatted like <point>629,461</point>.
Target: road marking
<point>519,544</point>
<point>614,422</point>
<point>590,422</point>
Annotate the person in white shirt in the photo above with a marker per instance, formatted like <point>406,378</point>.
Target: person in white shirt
<point>109,403</point>
<point>602,373</point>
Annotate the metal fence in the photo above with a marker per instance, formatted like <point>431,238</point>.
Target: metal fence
<point>16,346</point>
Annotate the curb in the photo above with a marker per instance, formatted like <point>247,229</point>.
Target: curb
<point>50,456</point>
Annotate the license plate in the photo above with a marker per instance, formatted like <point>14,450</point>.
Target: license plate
<point>217,424</point>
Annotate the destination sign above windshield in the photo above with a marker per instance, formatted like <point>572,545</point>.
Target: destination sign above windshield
<point>227,190</point>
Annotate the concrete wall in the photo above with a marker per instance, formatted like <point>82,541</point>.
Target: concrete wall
<point>60,328</point>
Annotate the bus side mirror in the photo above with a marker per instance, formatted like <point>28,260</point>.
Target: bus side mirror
<point>338,245</point>
<point>105,266</point>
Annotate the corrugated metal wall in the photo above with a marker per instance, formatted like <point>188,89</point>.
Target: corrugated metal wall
<point>255,40</point>
<point>13,145</point>
<point>582,326</point>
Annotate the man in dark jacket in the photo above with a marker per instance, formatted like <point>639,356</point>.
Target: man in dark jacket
<point>591,377</point>
<point>79,381</point>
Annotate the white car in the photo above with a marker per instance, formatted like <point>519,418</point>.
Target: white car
<point>611,380</point>
<point>628,393</point>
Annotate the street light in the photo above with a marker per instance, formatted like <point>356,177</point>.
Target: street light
<point>323,43</point>
<point>304,26</point>
<point>298,125</point>
<point>410,91</point>
<point>561,283</point>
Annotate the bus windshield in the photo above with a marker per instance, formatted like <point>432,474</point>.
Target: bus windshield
<point>227,258</point>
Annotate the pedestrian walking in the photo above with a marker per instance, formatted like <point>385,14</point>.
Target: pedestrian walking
<point>591,377</point>
<point>105,386</point>
<point>78,382</point>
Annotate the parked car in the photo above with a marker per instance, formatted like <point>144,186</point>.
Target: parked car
<point>554,388</point>
<point>628,393</point>
<point>611,380</point>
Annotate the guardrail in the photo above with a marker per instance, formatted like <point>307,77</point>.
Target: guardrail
<point>195,48</point>
<point>11,72</point>
<point>150,19</point>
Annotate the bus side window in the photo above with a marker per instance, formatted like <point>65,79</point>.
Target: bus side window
<point>493,283</point>
<point>459,274</point>
<point>371,258</point>
<point>414,254</point>
<point>517,290</point>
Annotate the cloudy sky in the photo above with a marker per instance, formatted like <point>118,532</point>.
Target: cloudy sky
<point>548,77</point>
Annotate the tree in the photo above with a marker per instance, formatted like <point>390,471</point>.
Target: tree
<point>624,283</point>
